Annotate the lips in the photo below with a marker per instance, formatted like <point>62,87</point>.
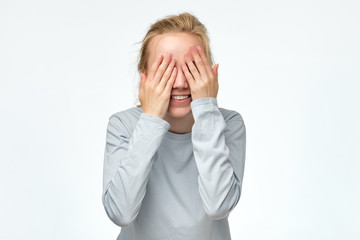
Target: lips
<point>181,101</point>
<point>180,97</point>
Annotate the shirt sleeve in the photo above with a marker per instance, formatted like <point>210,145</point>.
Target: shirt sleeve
<point>127,163</point>
<point>219,151</point>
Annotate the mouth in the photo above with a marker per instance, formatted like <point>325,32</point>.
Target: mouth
<point>180,99</point>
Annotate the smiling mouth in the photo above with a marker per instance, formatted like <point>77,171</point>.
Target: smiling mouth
<point>180,97</point>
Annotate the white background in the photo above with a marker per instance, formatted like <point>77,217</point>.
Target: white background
<point>291,68</point>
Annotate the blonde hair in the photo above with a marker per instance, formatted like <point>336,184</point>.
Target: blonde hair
<point>184,22</point>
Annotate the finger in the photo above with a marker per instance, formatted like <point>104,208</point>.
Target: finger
<point>167,74</point>
<point>142,80</point>
<point>195,73</point>
<point>170,83</point>
<point>205,60</point>
<point>162,68</point>
<point>188,75</point>
<point>155,66</point>
<point>198,61</point>
<point>141,86</point>
<point>215,70</point>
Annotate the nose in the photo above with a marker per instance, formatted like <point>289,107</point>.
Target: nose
<point>180,80</point>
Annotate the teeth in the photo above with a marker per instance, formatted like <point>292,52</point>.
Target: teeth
<point>180,97</point>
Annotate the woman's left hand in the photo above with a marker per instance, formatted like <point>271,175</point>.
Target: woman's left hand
<point>203,79</point>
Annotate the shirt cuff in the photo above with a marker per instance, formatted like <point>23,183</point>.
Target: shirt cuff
<point>153,119</point>
<point>200,101</point>
<point>208,104</point>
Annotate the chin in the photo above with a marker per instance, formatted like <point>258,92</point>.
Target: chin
<point>179,112</point>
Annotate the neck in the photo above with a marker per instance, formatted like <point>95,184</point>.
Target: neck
<point>180,125</point>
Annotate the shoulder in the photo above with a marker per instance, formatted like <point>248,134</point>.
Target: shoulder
<point>235,130</point>
<point>125,120</point>
<point>231,115</point>
<point>130,114</point>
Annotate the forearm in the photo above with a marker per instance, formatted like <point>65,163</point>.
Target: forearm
<point>219,187</point>
<point>127,167</point>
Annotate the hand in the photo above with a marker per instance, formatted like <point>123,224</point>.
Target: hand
<point>155,87</point>
<point>203,79</point>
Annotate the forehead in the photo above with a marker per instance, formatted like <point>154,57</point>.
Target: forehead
<point>175,43</point>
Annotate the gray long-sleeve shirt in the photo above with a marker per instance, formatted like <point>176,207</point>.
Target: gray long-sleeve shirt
<point>161,185</point>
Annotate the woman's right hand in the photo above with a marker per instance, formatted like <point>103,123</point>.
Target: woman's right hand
<point>155,87</point>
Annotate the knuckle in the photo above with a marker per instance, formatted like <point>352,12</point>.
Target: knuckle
<point>199,62</point>
<point>192,67</point>
<point>162,67</point>
<point>167,74</point>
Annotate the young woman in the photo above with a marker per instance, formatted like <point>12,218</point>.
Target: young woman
<point>174,166</point>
